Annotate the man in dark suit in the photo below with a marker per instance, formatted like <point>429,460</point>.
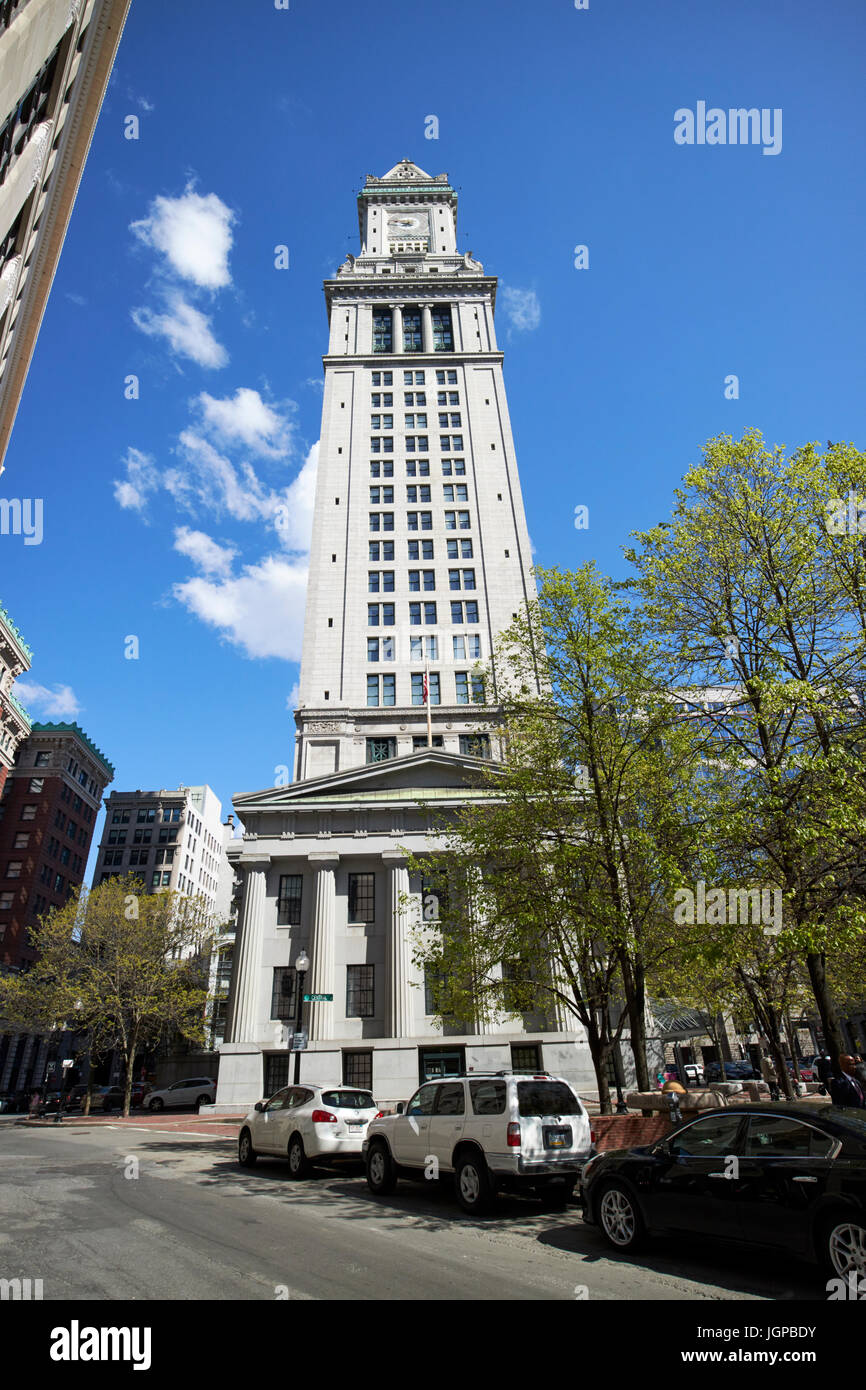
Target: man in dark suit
<point>845,1089</point>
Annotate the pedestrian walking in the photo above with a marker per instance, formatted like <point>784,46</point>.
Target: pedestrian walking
<point>35,1100</point>
<point>845,1089</point>
<point>824,1072</point>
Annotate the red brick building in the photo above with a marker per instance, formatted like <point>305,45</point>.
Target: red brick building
<point>48,815</point>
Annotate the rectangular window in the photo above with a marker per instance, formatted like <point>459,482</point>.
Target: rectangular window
<point>414,581</point>
<point>429,580</point>
<point>22,840</point>
<point>13,868</point>
<point>469,579</point>
<point>6,901</point>
<point>362,898</point>
<point>373,648</point>
<point>372,690</point>
<point>415,614</point>
<point>360,1001</point>
<point>430,614</point>
<point>475,745</point>
<point>472,612</point>
<point>419,741</point>
<point>412,330</point>
<point>28,812</point>
<point>379,750</point>
<point>283,993</point>
<point>289,900</point>
<point>382,341</point>
<point>373,582</point>
<point>358,1070</point>
<point>443,339</point>
<point>388,690</point>
<point>36,784</point>
<point>43,760</point>
<point>388,615</point>
<point>526,1057</point>
<point>373,614</point>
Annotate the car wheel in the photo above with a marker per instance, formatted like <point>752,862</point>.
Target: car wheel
<point>299,1164</point>
<point>246,1153</point>
<point>472,1184</point>
<point>381,1174</point>
<point>558,1197</point>
<point>202,1100</point>
<point>156,1104</point>
<point>619,1217</point>
<point>844,1245</point>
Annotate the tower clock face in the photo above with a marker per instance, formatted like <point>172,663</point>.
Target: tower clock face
<point>407,224</point>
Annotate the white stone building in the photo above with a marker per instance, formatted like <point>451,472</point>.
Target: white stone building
<point>172,838</point>
<point>420,556</point>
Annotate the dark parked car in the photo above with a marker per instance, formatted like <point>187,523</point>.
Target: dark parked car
<point>791,1178</point>
<point>734,1071</point>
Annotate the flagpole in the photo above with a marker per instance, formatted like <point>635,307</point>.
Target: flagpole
<point>427,701</point>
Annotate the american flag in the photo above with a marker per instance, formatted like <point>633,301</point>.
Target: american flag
<point>426,686</point>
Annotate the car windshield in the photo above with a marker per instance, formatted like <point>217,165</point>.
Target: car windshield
<point>546,1098</point>
<point>349,1100</point>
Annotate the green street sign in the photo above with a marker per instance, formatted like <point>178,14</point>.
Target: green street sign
<point>318,998</point>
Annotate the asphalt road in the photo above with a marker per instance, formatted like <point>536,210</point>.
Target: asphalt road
<point>106,1211</point>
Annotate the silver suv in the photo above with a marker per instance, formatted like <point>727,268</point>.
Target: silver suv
<point>492,1130</point>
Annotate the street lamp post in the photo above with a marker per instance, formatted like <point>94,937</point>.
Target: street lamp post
<point>302,965</point>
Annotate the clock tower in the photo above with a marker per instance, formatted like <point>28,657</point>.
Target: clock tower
<point>420,557</point>
<point>420,553</point>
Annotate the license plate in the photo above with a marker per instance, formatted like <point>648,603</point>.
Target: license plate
<point>557,1138</point>
<point>354,1129</point>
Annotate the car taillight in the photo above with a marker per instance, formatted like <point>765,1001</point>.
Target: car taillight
<point>323,1117</point>
<point>514,1135</point>
<point>592,1136</point>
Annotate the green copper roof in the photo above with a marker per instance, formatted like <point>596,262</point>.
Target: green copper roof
<point>16,704</point>
<point>4,618</point>
<point>79,732</point>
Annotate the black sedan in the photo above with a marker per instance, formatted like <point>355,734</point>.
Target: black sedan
<point>784,1177</point>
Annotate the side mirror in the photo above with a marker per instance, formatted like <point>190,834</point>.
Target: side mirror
<point>258,1105</point>
<point>401,1107</point>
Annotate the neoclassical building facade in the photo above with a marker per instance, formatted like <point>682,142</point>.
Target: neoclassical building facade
<point>420,556</point>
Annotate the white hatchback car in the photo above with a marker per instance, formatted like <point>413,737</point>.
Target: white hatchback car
<point>193,1090</point>
<point>491,1130</point>
<point>306,1125</point>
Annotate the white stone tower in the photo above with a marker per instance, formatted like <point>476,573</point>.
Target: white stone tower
<point>420,553</point>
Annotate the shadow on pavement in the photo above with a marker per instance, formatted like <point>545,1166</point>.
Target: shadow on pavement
<point>705,1261</point>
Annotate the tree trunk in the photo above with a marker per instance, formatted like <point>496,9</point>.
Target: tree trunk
<point>634,987</point>
<point>834,1040</point>
<point>130,1063</point>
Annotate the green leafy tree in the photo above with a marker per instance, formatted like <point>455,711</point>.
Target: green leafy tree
<point>753,595</point>
<point>124,963</point>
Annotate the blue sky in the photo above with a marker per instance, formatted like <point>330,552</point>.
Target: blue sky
<point>256,128</point>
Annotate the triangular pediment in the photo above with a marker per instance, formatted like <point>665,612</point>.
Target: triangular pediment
<point>405,172</point>
<point>429,772</point>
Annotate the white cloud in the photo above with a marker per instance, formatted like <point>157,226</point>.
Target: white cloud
<point>187,329</point>
<point>261,610</point>
<point>132,491</point>
<point>293,696</point>
<point>59,703</point>
<point>521,308</point>
<point>245,418</point>
<point>205,553</point>
<point>213,481</point>
<point>193,233</point>
<point>294,511</point>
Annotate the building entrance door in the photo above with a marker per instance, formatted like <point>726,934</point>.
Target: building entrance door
<point>437,1062</point>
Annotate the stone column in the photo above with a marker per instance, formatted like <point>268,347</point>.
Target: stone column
<point>396,328</point>
<point>399,1013</point>
<point>243,1023</point>
<point>427,327</point>
<point>321,975</point>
